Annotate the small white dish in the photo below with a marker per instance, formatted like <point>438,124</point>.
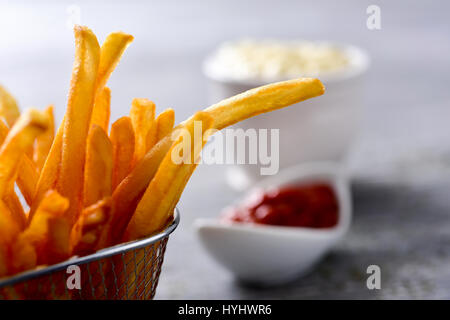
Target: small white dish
<point>266,255</point>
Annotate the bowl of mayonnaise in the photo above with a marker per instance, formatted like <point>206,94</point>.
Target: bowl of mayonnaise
<point>320,129</point>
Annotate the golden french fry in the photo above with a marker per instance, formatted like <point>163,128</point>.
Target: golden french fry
<point>142,116</point>
<point>102,109</point>
<point>158,201</point>
<point>3,132</point>
<point>24,256</point>
<point>27,175</point>
<point>49,173</point>
<point>12,201</point>
<point>127,194</point>
<point>164,123</point>
<point>77,119</point>
<point>87,230</point>
<point>8,107</point>
<point>27,178</point>
<point>8,233</point>
<point>44,141</point>
<point>122,139</point>
<point>19,139</point>
<point>39,234</point>
<point>58,240</point>
<point>110,54</point>
<point>263,99</point>
<point>98,168</point>
<point>162,126</point>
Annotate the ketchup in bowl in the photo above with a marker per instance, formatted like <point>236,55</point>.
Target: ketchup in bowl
<point>312,206</point>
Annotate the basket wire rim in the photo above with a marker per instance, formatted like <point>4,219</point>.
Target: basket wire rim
<point>100,254</point>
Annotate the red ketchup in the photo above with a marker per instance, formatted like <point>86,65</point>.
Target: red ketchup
<point>313,206</point>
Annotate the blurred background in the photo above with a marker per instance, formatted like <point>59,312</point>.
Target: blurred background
<point>400,163</point>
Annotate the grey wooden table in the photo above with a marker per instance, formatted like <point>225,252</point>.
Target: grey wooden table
<point>400,164</point>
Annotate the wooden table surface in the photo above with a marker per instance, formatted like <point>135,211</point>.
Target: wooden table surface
<point>400,164</point>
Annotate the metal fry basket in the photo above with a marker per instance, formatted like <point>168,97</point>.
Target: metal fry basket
<point>128,271</point>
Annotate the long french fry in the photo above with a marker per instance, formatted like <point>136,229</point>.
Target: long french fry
<point>263,99</point>
<point>98,168</point>
<point>142,116</point>
<point>10,198</point>
<point>162,126</point>
<point>19,139</point>
<point>3,132</point>
<point>77,119</point>
<point>44,141</point>
<point>154,208</point>
<point>27,175</point>
<point>87,230</point>
<point>8,233</point>
<point>37,234</point>
<point>122,139</point>
<point>27,178</point>
<point>8,107</point>
<point>111,51</point>
<point>102,108</point>
<point>110,54</point>
<point>49,173</point>
<point>12,201</point>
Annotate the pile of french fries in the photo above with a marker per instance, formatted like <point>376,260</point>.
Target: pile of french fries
<point>87,186</point>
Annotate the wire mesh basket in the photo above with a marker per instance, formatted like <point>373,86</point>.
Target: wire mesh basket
<point>128,271</point>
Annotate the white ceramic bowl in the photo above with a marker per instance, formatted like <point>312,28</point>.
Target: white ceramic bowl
<point>319,129</point>
<point>266,255</point>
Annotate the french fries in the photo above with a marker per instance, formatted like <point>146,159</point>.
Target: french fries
<point>122,139</point>
<point>102,109</point>
<point>88,188</point>
<point>158,201</point>
<point>77,120</point>
<point>19,139</point>
<point>39,236</point>
<point>142,116</point>
<point>17,213</point>
<point>8,107</point>
<point>49,173</point>
<point>9,231</point>
<point>44,141</point>
<point>110,54</point>
<point>87,230</point>
<point>263,99</point>
<point>162,126</point>
<point>27,178</point>
<point>127,194</point>
<point>98,168</point>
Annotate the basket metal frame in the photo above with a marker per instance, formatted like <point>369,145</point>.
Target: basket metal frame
<point>103,253</point>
